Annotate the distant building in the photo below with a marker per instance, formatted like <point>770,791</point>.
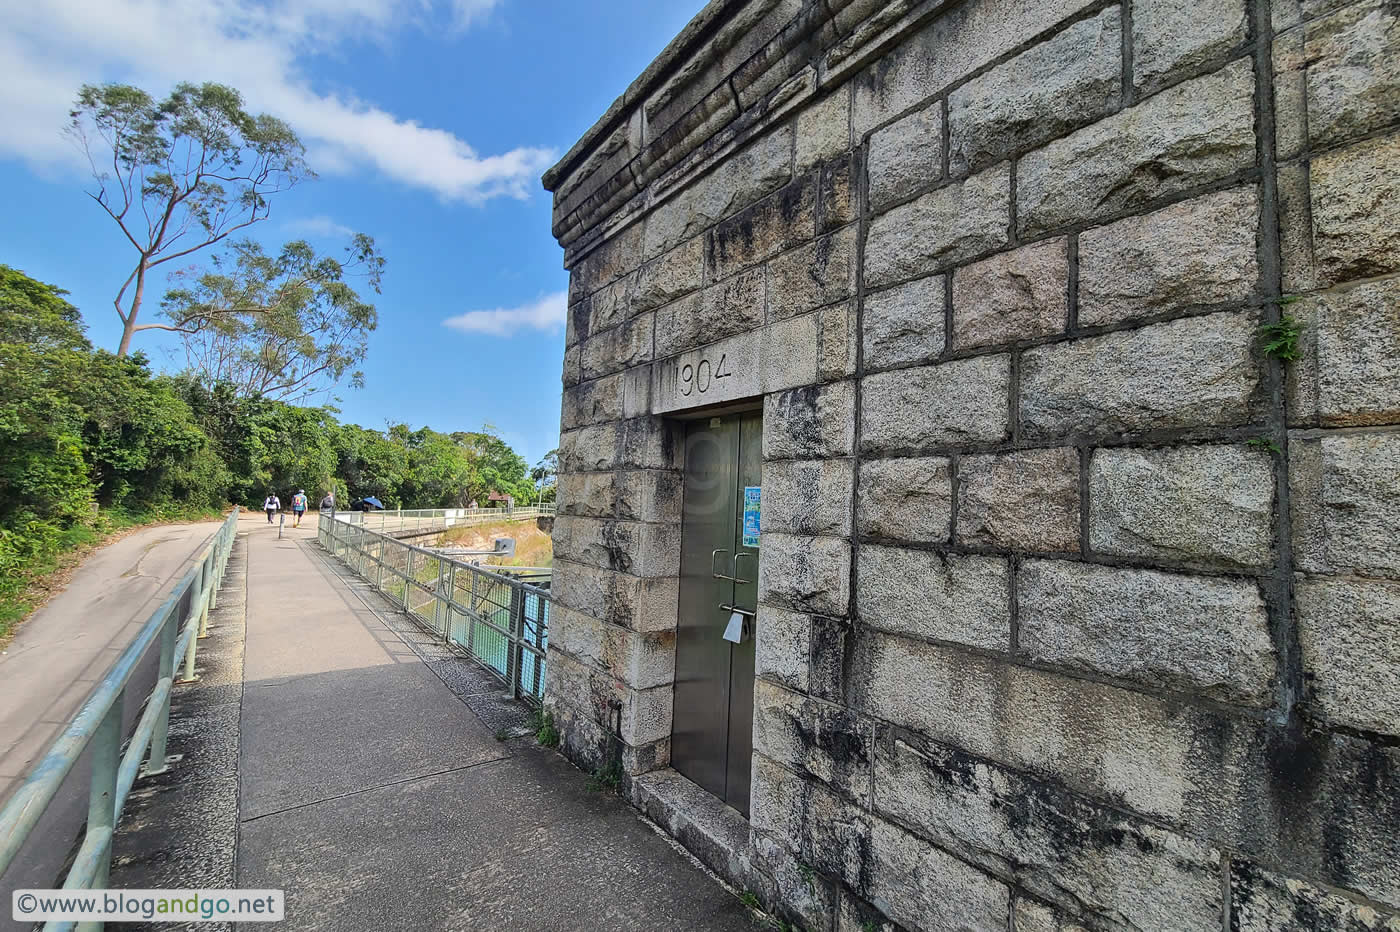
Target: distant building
<point>495,497</point>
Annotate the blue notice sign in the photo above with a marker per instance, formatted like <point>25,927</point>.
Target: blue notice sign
<point>751,514</point>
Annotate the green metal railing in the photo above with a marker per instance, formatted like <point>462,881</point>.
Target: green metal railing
<point>98,724</point>
<point>501,621</point>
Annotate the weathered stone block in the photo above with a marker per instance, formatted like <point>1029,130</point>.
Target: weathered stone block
<point>1185,136</point>
<point>610,305</point>
<point>1356,210</point>
<point>790,353</point>
<point>588,450</point>
<point>836,352</point>
<point>637,548</point>
<point>587,493</point>
<point>1350,341</point>
<point>571,372</point>
<point>813,421</point>
<point>952,46</point>
<point>646,713</point>
<point>1346,504</point>
<point>813,738</point>
<point>638,660</point>
<point>905,323</point>
<point>942,597</point>
<point>627,344</point>
<point>832,835</point>
<point>808,496</point>
<point>906,499</point>
<point>618,255</point>
<point>808,574</point>
<point>636,391</point>
<point>777,222</point>
<point>1162,629</point>
<point>1201,504</point>
<point>1353,71</point>
<point>1349,631</point>
<point>1184,373</point>
<point>812,276</point>
<point>958,402</point>
<point>650,443</point>
<point>1172,38</point>
<point>1030,719</point>
<point>731,306</point>
<point>824,129</point>
<point>1017,295</point>
<point>1026,501</point>
<point>1030,916</point>
<point>906,155</point>
<point>782,646</point>
<point>649,495</point>
<point>617,598</point>
<point>1071,79</point>
<point>1200,251</point>
<point>757,170</point>
<point>954,222</point>
<point>670,275</point>
<point>1263,901</point>
<point>1119,871</point>
<point>592,403</point>
<point>838,191</point>
<point>922,887</point>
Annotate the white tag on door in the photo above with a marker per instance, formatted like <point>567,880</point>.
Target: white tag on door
<point>734,631</point>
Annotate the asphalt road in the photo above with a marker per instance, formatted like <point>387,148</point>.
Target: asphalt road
<point>64,648</point>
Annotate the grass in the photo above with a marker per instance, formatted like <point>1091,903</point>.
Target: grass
<point>542,721</point>
<point>47,574</point>
<point>607,778</point>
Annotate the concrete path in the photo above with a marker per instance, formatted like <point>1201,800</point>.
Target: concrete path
<point>372,786</point>
<point>65,647</point>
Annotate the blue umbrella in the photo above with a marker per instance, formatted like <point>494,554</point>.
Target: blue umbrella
<point>371,500</point>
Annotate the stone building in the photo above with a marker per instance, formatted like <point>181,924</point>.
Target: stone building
<point>980,478</point>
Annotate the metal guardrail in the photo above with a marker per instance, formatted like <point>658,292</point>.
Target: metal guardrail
<point>501,622</point>
<point>99,724</point>
<point>428,519</point>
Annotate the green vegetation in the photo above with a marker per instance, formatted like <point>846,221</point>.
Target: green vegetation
<point>749,899</point>
<point>607,778</point>
<point>1281,339</point>
<point>1263,443</point>
<point>542,721</point>
<point>91,442</point>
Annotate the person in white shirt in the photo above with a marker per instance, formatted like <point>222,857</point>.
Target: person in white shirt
<point>271,505</point>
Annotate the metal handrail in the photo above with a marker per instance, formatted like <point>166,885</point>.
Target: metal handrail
<point>525,638</point>
<point>98,724</point>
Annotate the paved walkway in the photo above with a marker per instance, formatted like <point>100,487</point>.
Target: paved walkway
<point>65,647</point>
<point>362,759</point>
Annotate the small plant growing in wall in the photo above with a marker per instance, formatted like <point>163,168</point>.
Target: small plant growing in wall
<point>1264,443</point>
<point>1280,340</point>
<point>749,899</point>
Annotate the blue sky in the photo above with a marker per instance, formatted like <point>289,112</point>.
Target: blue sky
<point>429,122</point>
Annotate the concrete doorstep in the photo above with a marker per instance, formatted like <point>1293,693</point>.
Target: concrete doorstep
<point>334,749</point>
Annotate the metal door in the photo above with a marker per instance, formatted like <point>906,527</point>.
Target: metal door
<point>712,735</point>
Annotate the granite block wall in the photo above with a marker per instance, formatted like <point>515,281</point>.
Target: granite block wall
<point>1079,606</point>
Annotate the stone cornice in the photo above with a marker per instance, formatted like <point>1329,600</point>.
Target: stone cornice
<point>738,67</point>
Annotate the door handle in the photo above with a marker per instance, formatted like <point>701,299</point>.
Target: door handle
<point>734,579</point>
<point>734,608</point>
<point>737,558</point>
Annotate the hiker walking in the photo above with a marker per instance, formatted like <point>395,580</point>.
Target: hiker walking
<point>271,505</point>
<point>298,507</point>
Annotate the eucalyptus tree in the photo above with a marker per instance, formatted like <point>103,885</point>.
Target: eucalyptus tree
<point>285,326</point>
<point>179,174</point>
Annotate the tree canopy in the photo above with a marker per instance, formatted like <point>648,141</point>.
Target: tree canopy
<point>179,174</point>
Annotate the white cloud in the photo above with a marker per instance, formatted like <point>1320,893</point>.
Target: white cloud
<point>319,226</point>
<point>49,49</point>
<point>547,314</point>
